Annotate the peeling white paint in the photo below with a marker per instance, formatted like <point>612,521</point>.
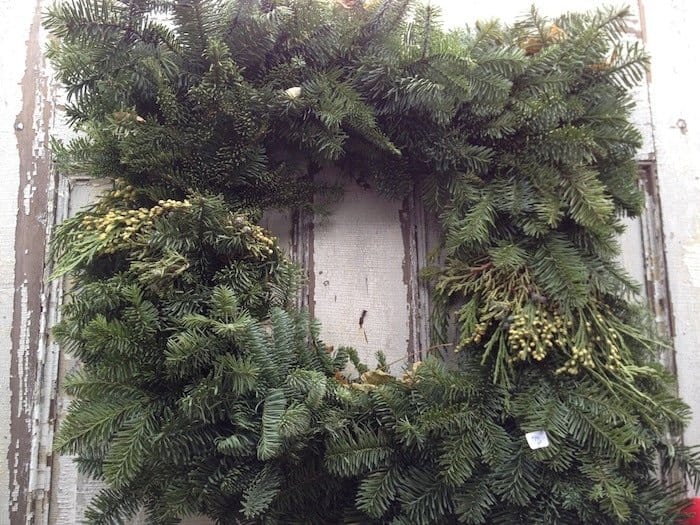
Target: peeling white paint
<point>24,345</point>
<point>27,198</point>
<point>15,21</point>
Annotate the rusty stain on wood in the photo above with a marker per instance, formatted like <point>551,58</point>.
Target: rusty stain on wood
<point>362,317</point>
<point>30,243</point>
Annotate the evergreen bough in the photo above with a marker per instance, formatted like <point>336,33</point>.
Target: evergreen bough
<point>204,391</point>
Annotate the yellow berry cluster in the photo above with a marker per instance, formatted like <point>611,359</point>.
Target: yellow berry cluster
<point>535,335</point>
<point>118,226</point>
<point>265,242</point>
<point>614,359</point>
<point>479,331</point>
<point>581,356</point>
<point>607,344</point>
<point>126,193</point>
<point>260,235</point>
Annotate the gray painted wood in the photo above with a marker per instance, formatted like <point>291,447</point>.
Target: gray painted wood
<point>358,275</point>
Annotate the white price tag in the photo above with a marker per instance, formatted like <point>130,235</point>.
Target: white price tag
<point>537,439</point>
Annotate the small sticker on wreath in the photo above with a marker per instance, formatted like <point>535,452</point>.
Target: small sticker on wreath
<point>537,439</point>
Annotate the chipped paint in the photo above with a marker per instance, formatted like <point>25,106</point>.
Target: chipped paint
<point>15,19</point>
<point>46,392</point>
<point>35,184</point>
<point>655,264</point>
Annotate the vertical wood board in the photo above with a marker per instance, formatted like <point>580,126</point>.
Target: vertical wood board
<point>28,101</point>
<point>673,44</point>
<point>357,275</point>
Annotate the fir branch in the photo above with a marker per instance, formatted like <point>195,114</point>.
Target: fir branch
<point>270,443</point>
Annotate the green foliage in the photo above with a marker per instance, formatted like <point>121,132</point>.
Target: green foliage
<point>203,390</point>
<point>182,382</point>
